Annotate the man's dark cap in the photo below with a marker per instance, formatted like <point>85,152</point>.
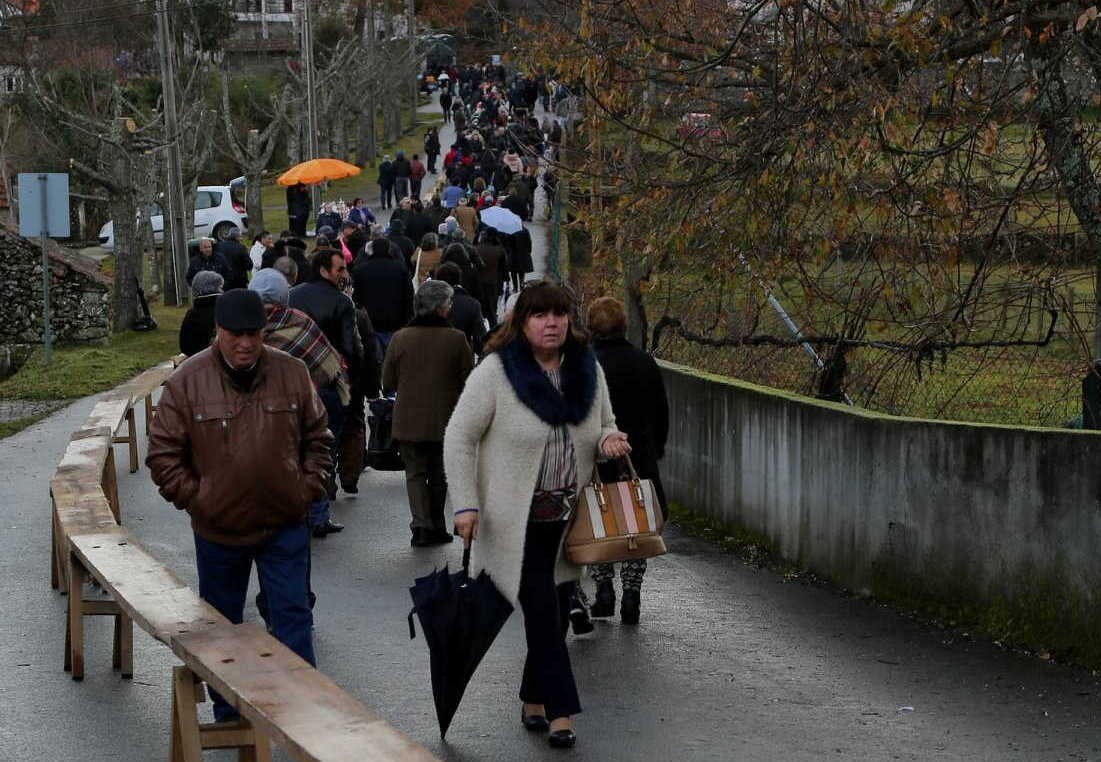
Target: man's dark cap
<point>240,310</point>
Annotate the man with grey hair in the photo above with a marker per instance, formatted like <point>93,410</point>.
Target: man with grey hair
<point>208,259</point>
<point>426,365</point>
<point>197,328</point>
<point>289,269</point>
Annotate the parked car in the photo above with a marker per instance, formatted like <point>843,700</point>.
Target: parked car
<point>217,210</point>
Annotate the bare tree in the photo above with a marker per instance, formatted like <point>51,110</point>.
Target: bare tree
<point>254,153</point>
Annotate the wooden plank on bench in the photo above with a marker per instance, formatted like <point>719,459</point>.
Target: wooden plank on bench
<point>108,413</point>
<point>147,383</point>
<point>80,506</point>
<point>155,598</point>
<point>289,701</point>
<point>85,455</point>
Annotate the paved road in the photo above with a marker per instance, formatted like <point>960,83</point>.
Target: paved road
<point>729,663</point>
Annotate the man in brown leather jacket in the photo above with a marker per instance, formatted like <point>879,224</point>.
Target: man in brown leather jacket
<point>240,441</point>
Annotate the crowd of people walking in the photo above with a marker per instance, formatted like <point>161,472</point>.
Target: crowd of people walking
<point>501,396</point>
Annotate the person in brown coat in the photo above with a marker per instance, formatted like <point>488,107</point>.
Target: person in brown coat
<point>467,218</point>
<point>426,365</point>
<point>427,257</point>
<point>241,442</point>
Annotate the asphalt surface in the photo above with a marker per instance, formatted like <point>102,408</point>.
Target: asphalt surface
<point>728,663</point>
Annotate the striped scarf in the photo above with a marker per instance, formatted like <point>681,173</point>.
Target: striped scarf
<point>295,333</point>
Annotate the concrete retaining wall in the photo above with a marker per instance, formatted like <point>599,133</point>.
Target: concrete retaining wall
<point>991,524</point>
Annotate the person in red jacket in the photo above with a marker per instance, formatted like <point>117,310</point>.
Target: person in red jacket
<point>416,175</point>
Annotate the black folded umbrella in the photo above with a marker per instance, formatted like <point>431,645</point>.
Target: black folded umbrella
<point>460,618</point>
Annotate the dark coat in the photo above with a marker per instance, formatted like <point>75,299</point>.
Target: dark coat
<point>298,202</point>
<point>368,376</point>
<point>416,225</point>
<point>402,167</point>
<point>197,328</point>
<point>432,144</point>
<point>239,261</point>
<point>466,315</point>
<point>384,287</point>
<point>519,252</point>
<point>470,280</point>
<point>638,400</point>
<point>333,312</point>
<point>426,365</point>
<point>215,263</point>
<point>404,244</point>
<point>386,174</point>
<point>495,267</point>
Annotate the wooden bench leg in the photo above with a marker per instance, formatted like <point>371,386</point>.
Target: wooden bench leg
<point>111,485</point>
<point>260,751</point>
<point>132,437</point>
<point>75,639</point>
<point>55,572</point>
<point>123,657</point>
<point>185,745</point>
<point>189,738</point>
<point>148,413</point>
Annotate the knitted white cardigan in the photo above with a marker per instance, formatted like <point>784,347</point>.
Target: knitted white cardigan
<point>492,451</point>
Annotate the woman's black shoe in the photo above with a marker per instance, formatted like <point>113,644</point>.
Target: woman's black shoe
<point>562,739</point>
<point>629,607</point>
<point>604,605</point>
<point>536,723</point>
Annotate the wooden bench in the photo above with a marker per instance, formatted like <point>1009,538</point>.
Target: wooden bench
<point>118,406</point>
<point>280,696</point>
<point>142,590</point>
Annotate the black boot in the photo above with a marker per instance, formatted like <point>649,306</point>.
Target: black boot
<point>579,614</point>
<point>629,608</point>
<point>604,605</point>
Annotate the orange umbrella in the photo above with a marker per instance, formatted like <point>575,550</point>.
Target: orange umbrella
<point>315,171</point>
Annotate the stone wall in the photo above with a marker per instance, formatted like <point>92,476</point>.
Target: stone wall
<point>992,525</point>
<point>79,296</point>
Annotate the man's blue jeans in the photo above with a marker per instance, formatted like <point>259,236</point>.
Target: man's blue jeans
<point>330,398</point>
<point>383,341</point>
<point>282,565</point>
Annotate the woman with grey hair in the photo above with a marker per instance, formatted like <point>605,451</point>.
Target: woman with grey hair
<point>426,366</point>
<point>197,328</point>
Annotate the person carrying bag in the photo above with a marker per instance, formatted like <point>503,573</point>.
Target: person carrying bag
<point>616,521</point>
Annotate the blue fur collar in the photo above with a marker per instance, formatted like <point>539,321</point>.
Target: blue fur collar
<point>536,391</point>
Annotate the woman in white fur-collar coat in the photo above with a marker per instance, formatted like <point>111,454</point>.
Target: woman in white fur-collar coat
<point>531,422</point>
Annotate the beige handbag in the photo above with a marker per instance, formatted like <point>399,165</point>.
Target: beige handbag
<point>620,521</point>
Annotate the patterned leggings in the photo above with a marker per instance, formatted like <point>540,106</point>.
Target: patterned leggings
<point>630,573</point>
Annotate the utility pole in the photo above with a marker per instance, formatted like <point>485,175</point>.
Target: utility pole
<point>414,91</point>
<point>311,100</point>
<point>370,43</point>
<point>175,243</point>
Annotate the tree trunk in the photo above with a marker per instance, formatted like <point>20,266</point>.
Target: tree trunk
<point>633,274</point>
<point>1067,152</point>
<point>254,177</point>
<point>294,138</point>
<point>127,259</point>
<point>339,137</point>
<point>123,206</point>
<point>371,128</point>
